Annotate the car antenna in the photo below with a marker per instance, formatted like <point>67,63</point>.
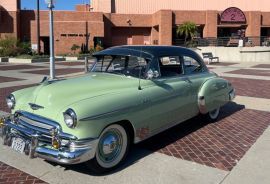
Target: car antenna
<point>140,73</point>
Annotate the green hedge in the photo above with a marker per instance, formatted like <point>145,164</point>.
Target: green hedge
<point>11,47</point>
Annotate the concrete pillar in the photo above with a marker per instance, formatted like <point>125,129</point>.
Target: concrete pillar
<point>254,27</point>
<point>165,27</point>
<point>254,24</point>
<point>211,21</point>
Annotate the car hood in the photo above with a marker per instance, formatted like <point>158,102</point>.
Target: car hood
<point>53,97</point>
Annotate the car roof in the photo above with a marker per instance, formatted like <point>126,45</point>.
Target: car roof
<point>145,51</point>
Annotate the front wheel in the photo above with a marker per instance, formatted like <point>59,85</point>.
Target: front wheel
<point>111,150</point>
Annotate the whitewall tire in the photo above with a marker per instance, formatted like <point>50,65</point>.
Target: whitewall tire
<point>111,150</point>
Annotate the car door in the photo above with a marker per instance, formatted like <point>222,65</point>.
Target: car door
<point>168,96</point>
<point>196,72</point>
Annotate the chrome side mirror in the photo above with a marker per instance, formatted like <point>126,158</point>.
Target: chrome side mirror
<point>152,74</point>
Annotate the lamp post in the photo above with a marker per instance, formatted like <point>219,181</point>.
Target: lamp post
<point>50,4</point>
<point>38,28</point>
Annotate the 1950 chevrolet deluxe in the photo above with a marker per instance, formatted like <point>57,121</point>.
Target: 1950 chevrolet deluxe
<point>130,94</point>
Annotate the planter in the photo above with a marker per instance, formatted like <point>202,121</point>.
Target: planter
<point>71,58</point>
<point>40,60</point>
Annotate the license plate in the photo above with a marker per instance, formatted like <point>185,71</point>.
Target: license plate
<point>18,145</point>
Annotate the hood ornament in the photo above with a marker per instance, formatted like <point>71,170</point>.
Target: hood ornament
<point>35,106</point>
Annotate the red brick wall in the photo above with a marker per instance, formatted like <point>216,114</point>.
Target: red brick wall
<point>120,36</point>
<point>266,18</point>
<point>165,27</point>
<point>254,24</point>
<point>211,20</point>
<point>75,34</point>
<point>158,25</point>
<point>65,23</point>
<point>194,16</point>
<point>121,20</point>
<point>8,24</point>
<point>25,26</point>
<point>82,7</point>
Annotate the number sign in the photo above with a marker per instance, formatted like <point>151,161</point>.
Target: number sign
<point>233,15</point>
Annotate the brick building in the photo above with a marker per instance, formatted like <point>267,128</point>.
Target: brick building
<point>117,22</point>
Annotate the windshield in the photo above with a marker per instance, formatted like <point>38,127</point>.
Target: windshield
<point>121,65</point>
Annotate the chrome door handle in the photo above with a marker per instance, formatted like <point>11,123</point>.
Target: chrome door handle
<point>186,79</point>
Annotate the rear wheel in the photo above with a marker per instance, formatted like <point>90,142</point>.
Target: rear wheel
<point>112,149</point>
<point>212,116</point>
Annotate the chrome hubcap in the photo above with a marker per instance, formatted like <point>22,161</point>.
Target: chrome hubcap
<point>214,114</point>
<point>110,145</point>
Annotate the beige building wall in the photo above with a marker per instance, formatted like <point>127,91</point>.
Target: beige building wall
<point>152,6</point>
<point>9,5</point>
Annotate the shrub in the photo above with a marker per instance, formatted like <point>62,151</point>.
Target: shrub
<point>10,46</point>
<point>74,48</point>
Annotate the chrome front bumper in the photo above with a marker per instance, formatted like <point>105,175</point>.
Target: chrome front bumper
<point>73,151</point>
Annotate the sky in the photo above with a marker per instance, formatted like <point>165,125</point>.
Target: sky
<point>59,5</point>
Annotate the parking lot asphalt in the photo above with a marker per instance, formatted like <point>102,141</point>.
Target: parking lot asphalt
<point>227,151</point>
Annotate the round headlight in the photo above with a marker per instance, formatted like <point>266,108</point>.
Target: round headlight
<point>70,118</point>
<point>11,101</point>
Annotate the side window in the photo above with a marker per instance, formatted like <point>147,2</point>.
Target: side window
<point>170,66</point>
<point>192,66</point>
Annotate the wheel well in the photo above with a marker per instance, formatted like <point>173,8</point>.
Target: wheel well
<point>129,128</point>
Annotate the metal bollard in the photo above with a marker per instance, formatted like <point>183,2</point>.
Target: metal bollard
<point>86,65</point>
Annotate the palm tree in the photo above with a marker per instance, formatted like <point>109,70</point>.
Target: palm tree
<point>188,29</point>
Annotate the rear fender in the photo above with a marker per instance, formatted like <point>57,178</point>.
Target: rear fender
<point>213,93</point>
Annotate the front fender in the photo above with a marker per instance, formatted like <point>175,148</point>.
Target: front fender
<point>97,113</point>
<point>213,93</point>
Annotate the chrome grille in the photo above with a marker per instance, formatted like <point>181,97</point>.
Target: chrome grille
<point>35,123</point>
<point>43,130</point>
<point>28,125</point>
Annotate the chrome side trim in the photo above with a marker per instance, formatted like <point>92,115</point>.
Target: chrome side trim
<point>94,117</point>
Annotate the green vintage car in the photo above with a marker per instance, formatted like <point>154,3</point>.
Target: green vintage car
<point>130,94</point>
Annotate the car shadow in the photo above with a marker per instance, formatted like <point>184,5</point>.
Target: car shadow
<point>162,140</point>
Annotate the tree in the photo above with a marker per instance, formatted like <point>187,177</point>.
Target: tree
<point>74,48</point>
<point>188,29</point>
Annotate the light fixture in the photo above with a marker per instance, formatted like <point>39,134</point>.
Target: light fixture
<point>70,118</point>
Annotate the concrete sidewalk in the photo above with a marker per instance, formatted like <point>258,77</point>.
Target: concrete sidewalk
<point>254,167</point>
